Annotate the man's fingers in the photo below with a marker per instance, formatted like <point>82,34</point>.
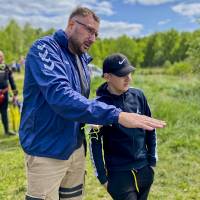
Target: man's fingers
<point>133,120</point>
<point>154,123</point>
<point>146,127</point>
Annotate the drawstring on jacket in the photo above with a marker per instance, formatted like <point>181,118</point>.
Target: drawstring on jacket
<point>135,179</point>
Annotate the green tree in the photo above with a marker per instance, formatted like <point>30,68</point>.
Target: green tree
<point>193,53</point>
<point>13,41</point>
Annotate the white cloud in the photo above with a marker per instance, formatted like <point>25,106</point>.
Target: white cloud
<point>163,22</point>
<point>149,2</point>
<point>54,14</point>
<point>104,8</point>
<point>115,29</point>
<point>47,13</point>
<point>100,7</point>
<point>190,10</point>
<point>44,14</point>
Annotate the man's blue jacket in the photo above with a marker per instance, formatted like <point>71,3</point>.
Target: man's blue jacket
<point>53,107</point>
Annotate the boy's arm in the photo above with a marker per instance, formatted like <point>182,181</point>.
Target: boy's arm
<point>96,155</point>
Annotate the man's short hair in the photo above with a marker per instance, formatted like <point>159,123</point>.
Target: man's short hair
<point>83,12</point>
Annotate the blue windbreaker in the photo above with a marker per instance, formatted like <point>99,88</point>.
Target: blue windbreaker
<point>53,107</point>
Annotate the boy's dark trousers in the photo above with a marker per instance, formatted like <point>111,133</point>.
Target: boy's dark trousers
<point>130,185</point>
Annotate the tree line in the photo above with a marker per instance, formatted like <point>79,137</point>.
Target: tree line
<point>160,49</point>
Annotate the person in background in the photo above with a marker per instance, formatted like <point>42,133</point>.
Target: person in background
<point>126,169</point>
<point>14,66</point>
<point>6,78</point>
<point>56,107</point>
<point>22,61</point>
<point>18,67</point>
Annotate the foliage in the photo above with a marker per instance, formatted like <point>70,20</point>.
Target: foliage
<point>150,51</point>
<point>179,68</point>
<point>15,40</point>
<point>194,52</point>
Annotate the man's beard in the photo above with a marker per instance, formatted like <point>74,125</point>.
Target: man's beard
<point>75,45</point>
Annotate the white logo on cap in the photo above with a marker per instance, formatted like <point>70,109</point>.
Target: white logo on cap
<point>120,62</point>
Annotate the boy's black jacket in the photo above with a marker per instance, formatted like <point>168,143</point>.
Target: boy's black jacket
<point>124,149</point>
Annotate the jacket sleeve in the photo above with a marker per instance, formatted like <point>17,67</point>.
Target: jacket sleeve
<point>49,72</point>
<point>96,155</point>
<point>151,141</point>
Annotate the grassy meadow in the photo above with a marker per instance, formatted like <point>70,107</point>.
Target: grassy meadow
<point>175,99</point>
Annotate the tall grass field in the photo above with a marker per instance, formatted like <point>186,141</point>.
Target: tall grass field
<point>175,99</point>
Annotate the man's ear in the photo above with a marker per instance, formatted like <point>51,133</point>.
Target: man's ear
<point>70,26</point>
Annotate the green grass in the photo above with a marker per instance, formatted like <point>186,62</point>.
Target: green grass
<point>171,98</point>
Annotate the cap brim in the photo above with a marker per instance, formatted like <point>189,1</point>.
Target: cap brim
<point>124,71</point>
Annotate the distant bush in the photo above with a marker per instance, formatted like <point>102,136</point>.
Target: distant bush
<point>149,70</point>
<point>167,63</point>
<point>179,68</point>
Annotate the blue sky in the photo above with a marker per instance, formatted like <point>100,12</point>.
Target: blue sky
<point>131,17</point>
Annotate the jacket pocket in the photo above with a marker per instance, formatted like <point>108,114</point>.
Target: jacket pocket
<point>139,146</point>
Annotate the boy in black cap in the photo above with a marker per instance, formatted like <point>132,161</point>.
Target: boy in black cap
<point>126,170</point>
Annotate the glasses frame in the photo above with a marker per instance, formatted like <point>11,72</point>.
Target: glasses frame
<point>89,29</point>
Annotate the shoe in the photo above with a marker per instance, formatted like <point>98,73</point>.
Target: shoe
<point>10,133</point>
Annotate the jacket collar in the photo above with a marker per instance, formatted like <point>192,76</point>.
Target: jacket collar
<point>103,91</point>
<point>61,38</point>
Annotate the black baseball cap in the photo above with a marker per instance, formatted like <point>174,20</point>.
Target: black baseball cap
<point>117,64</point>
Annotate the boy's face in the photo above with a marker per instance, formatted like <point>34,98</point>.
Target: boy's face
<point>118,85</point>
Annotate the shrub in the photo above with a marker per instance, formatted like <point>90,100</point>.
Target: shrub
<point>179,68</point>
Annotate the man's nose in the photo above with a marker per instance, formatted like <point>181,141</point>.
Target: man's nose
<point>92,37</point>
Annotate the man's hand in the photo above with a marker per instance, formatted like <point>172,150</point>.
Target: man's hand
<point>133,120</point>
